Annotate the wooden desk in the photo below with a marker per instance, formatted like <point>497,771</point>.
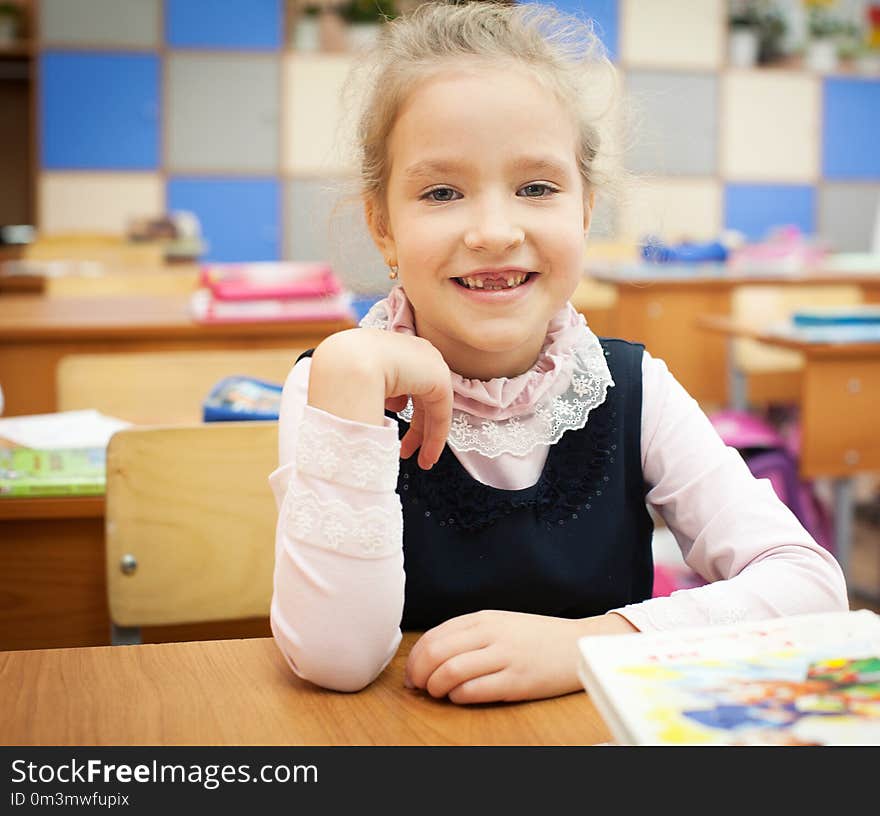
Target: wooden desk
<point>243,693</point>
<point>840,395</point>
<point>37,330</point>
<point>657,307</point>
<point>52,586</point>
<point>53,580</point>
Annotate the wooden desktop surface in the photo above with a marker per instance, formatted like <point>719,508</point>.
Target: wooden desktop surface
<point>241,692</point>
<point>37,330</point>
<point>124,316</point>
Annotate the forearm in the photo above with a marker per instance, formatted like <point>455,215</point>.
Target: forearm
<point>338,585</point>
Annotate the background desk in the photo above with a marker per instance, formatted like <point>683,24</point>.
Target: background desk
<point>243,693</point>
<point>37,330</point>
<point>659,307</point>
<point>840,395</point>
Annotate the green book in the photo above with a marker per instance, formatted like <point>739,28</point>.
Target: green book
<point>65,472</point>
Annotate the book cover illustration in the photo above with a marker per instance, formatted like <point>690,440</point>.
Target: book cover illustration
<point>804,680</point>
<point>63,472</point>
<point>242,398</point>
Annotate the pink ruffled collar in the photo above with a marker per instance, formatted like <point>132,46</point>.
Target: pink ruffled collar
<point>505,397</point>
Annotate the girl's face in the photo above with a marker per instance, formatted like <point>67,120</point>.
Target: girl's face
<point>484,185</point>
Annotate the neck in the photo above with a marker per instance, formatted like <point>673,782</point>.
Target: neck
<point>480,363</point>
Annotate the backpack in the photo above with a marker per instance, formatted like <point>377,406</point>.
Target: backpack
<point>773,453</point>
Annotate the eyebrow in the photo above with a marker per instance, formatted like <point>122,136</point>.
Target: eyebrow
<point>441,167</point>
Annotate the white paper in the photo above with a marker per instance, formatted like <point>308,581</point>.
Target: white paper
<point>66,429</point>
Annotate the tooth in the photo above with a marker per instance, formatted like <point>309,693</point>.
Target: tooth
<point>510,281</point>
<point>470,283</point>
<point>479,283</point>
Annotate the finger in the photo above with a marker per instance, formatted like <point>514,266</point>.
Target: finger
<point>436,647</point>
<point>396,403</point>
<point>461,668</point>
<point>488,688</point>
<point>438,419</point>
<point>412,439</point>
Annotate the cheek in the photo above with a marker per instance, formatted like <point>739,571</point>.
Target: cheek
<point>424,243</point>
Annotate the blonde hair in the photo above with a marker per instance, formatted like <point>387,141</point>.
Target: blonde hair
<point>562,52</point>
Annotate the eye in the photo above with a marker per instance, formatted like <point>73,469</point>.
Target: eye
<point>441,194</point>
<point>537,190</point>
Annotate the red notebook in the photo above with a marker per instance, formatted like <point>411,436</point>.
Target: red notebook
<point>270,280</point>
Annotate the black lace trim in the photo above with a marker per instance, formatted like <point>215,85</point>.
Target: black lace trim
<point>575,473</point>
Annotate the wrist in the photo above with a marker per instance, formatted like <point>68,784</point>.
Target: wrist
<point>611,623</point>
<point>346,380</point>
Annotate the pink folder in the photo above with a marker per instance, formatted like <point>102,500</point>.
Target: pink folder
<point>270,280</point>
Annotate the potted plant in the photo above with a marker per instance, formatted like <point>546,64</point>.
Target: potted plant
<point>365,18</point>
<point>756,29</point>
<point>744,34</point>
<point>11,16</point>
<point>306,34</point>
<point>823,29</point>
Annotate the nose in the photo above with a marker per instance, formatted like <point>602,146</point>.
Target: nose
<point>493,230</point>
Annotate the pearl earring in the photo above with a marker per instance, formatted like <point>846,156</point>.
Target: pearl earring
<point>393,273</point>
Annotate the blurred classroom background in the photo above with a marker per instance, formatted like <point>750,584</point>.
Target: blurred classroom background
<point>148,148</point>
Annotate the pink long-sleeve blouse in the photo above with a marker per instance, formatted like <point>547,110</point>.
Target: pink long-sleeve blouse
<point>339,577</point>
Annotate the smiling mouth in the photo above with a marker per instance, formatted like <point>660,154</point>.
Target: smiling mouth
<point>496,284</point>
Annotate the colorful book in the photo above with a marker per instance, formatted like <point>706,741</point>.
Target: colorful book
<point>64,472</point>
<point>801,680</point>
<point>270,280</point>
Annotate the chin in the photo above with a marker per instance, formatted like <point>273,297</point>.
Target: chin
<point>499,342</point>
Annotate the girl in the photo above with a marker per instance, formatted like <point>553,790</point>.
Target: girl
<point>522,523</point>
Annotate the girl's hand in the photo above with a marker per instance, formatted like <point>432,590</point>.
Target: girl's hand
<point>359,373</point>
<point>494,656</point>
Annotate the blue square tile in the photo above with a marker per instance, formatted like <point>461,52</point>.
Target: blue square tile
<point>754,209</point>
<point>240,218</point>
<point>850,128</point>
<point>246,24</point>
<point>99,111</point>
<point>603,13</point>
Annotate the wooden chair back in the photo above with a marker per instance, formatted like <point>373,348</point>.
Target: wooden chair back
<point>190,524</point>
<point>160,388</point>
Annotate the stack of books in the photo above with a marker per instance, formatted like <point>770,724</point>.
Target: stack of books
<point>270,291</point>
<point>834,324</point>
<point>59,454</point>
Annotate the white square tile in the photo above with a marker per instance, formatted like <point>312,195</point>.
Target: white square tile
<point>97,202</point>
<point>673,33</point>
<point>770,126</point>
<point>317,127</point>
<point>672,209</point>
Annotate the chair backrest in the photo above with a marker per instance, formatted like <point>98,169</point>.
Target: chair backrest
<point>162,387</point>
<point>190,524</point>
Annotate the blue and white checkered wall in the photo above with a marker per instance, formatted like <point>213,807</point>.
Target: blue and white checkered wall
<point>148,106</point>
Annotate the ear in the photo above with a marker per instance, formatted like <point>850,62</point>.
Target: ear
<point>377,223</point>
<point>588,210</point>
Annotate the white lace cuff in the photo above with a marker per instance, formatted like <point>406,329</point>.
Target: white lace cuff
<point>376,532</point>
<point>355,459</point>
